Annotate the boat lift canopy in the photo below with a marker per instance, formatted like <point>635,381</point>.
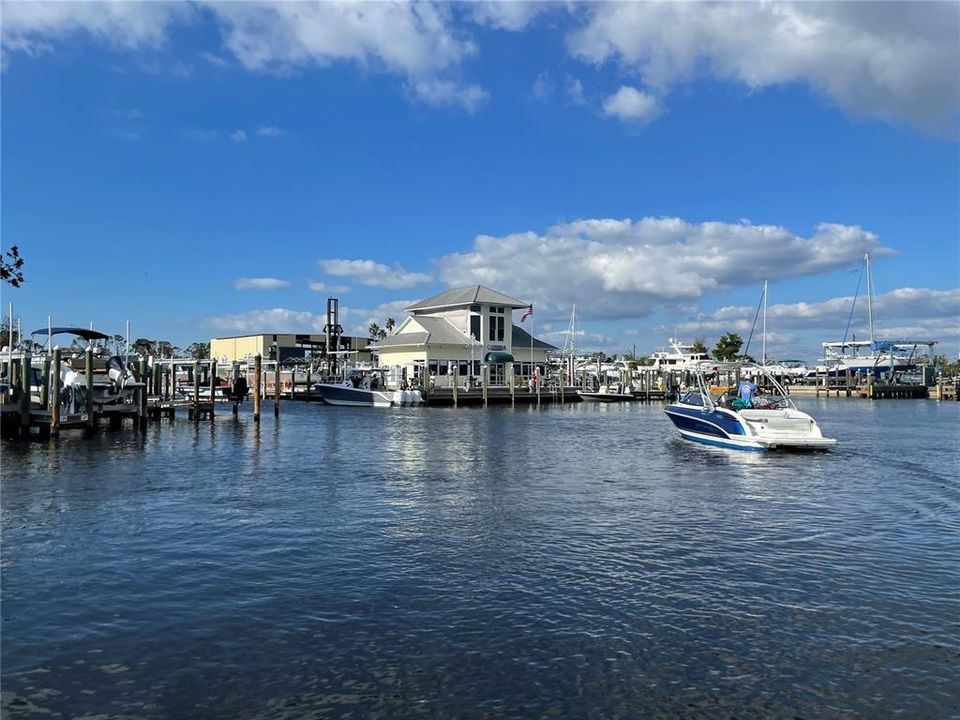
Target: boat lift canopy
<point>85,333</point>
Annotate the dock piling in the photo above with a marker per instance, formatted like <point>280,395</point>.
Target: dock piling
<point>25,366</point>
<point>213,388</point>
<point>196,390</point>
<point>88,382</point>
<point>55,395</point>
<point>276,387</point>
<point>257,386</point>
<point>45,384</point>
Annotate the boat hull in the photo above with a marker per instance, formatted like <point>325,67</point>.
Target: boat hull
<point>754,430</point>
<point>605,397</point>
<point>352,397</point>
<point>362,397</point>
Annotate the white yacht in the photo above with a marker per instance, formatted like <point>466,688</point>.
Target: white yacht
<point>682,357</point>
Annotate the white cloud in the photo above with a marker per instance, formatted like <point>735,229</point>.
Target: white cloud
<point>279,320</point>
<point>417,41</point>
<point>892,60</point>
<point>513,15</point>
<point>214,59</point>
<point>447,93</point>
<point>625,268</point>
<point>284,320</point>
<point>326,288</point>
<point>889,60</point>
<point>897,314</point>
<point>542,87</point>
<point>28,26</point>
<point>414,40</point>
<point>374,274</point>
<point>575,91</point>
<point>269,131</point>
<point>631,105</point>
<point>259,284</point>
<point>239,136</point>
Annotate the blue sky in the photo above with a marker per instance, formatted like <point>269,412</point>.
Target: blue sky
<point>211,169</point>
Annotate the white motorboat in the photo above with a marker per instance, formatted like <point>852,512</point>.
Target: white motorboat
<point>366,387</point>
<point>113,381</point>
<point>608,392</point>
<point>683,357</point>
<point>713,413</point>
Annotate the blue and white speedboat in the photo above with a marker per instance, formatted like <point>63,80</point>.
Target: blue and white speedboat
<point>712,413</point>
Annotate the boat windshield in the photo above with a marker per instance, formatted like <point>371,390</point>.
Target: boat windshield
<point>693,398</point>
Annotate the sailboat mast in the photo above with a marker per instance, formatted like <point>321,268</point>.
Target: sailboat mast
<point>866,258</point>
<point>763,355</point>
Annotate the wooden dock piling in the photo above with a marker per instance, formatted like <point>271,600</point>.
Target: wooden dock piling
<point>45,383</point>
<point>88,368</point>
<point>257,386</point>
<point>276,387</point>
<point>55,395</point>
<point>196,390</point>
<point>485,379</point>
<point>213,388</point>
<point>25,366</point>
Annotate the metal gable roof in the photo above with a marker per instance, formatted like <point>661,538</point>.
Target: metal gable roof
<point>470,295</point>
<point>436,331</point>
<point>521,340</point>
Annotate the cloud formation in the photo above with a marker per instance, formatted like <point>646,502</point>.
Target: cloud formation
<point>29,26</point>
<point>327,288</point>
<point>625,268</point>
<point>374,274</point>
<point>259,284</point>
<point>888,60</point>
<point>901,314</point>
<point>415,40</point>
<point>269,131</point>
<point>274,320</point>
<point>631,105</point>
<point>891,60</point>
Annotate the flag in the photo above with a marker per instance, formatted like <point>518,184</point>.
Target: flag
<point>526,313</point>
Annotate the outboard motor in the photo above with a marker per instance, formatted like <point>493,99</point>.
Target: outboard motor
<point>116,371</point>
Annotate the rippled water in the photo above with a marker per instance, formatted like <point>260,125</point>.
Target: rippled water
<point>576,562</point>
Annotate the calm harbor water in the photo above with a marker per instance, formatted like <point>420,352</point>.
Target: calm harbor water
<point>576,562</point>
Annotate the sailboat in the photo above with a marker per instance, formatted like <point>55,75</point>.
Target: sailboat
<point>871,357</point>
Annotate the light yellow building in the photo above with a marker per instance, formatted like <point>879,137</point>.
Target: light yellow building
<point>245,347</point>
<point>462,329</point>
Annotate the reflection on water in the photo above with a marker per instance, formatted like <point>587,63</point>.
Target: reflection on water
<point>573,562</point>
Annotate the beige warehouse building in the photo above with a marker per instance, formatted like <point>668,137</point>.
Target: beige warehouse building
<point>291,346</point>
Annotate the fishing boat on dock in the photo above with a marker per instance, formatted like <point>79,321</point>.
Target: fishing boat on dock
<point>366,387</point>
<point>719,411</point>
<point>113,380</point>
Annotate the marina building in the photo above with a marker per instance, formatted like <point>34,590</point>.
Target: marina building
<point>289,347</point>
<point>459,330</point>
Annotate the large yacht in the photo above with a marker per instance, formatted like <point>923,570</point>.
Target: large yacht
<point>682,357</point>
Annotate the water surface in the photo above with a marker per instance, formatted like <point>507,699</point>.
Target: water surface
<point>576,562</point>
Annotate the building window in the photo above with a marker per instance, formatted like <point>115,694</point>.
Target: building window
<point>474,322</point>
<point>498,323</point>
